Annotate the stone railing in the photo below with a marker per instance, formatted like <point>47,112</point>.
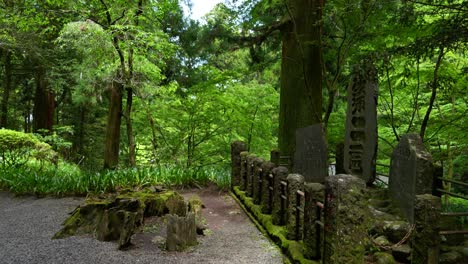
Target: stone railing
<point>313,221</point>
<point>300,209</point>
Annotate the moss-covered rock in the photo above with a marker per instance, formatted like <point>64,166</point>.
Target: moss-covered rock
<point>384,258</point>
<point>118,216</point>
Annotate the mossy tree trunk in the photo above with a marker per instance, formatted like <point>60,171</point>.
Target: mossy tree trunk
<point>6,89</point>
<point>44,103</point>
<point>112,147</point>
<point>301,72</point>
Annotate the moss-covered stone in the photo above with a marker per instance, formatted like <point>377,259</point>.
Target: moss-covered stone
<point>118,216</point>
<point>384,258</point>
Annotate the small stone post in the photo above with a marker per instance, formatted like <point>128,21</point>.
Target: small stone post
<point>236,148</point>
<point>346,220</point>
<point>426,240</point>
<point>267,194</point>
<point>278,215</point>
<point>313,237</point>
<point>275,157</point>
<point>181,232</point>
<point>257,184</point>
<point>250,174</point>
<point>244,170</point>
<point>294,224</point>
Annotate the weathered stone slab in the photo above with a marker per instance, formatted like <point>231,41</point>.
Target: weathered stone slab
<point>411,173</point>
<point>346,220</point>
<point>267,182</point>
<point>426,240</point>
<point>279,205</point>
<point>294,221</point>
<point>361,123</point>
<point>243,170</point>
<point>313,237</point>
<point>181,232</point>
<point>236,148</point>
<point>310,157</point>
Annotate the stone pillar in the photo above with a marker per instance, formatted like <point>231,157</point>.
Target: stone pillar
<point>257,177</point>
<point>278,214</point>
<point>311,153</point>
<point>361,122</point>
<point>426,240</point>
<point>250,174</point>
<point>236,148</point>
<point>294,222</point>
<point>411,173</point>
<point>275,156</point>
<point>313,235</point>
<point>244,170</point>
<point>339,158</point>
<point>346,220</point>
<point>181,232</point>
<point>267,182</point>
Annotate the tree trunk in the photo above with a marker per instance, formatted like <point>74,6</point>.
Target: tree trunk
<point>434,85</point>
<point>112,147</point>
<point>44,104</point>
<point>301,72</point>
<point>6,91</point>
<point>130,136</point>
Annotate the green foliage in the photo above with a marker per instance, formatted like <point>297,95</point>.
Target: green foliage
<point>69,179</point>
<point>17,148</point>
<point>457,205</point>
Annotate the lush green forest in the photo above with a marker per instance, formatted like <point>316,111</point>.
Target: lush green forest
<point>140,88</point>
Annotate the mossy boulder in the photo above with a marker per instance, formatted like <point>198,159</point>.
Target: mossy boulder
<point>384,258</point>
<point>118,216</point>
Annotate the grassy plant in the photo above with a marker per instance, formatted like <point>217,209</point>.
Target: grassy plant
<point>457,205</point>
<point>66,179</point>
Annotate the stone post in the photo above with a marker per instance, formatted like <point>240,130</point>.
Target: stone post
<point>181,232</point>
<point>250,174</point>
<point>411,173</point>
<point>278,215</point>
<point>360,150</point>
<point>244,170</point>
<point>294,223</point>
<point>275,157</point>
<point>267,182</point>
<point>236,148</point>
<point>313,237</point>
<point>346,220</point>
<point>257,184</point>
<point>426,240</point>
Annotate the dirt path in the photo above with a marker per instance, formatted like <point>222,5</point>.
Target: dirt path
<point>27,225</point>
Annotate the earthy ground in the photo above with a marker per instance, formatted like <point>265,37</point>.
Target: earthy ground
<point>28,223</point>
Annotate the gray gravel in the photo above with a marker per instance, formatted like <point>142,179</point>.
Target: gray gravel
<point>27,225</point>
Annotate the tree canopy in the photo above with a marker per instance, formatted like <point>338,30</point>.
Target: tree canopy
<point>139,83</point>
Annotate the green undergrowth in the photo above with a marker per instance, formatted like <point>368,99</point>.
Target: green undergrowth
<point>69,179</point>
<point>456,205</point>
<point>293,249</point>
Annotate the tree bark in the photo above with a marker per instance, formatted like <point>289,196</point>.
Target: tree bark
<point>112,147</point>
<point>434,85</point>
<point>44,103</point>
<point>6,90</point>
<point>301,71</point>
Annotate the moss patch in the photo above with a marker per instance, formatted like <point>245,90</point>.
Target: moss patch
<point>117,216</point>
<point>293,249</point>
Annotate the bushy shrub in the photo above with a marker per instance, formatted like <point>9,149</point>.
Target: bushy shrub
<point>16,148</point>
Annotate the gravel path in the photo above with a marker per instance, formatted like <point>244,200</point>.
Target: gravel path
<point>27,225</point>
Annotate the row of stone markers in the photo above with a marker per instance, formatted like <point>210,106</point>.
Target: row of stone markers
<point>298,206</point>
<point>330,220</point>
